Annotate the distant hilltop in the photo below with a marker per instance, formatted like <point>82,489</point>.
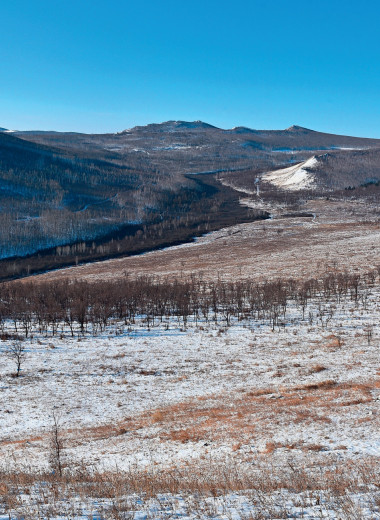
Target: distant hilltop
<point>172,126</point>
<point>192,127</point>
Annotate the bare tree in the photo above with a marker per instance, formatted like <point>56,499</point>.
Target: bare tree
<point>56,445</point>
<point>368,331</point>
<point>17,353</point>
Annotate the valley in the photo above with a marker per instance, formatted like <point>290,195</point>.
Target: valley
<point>336,235</point>
<point>70,198</point>
<point>215,358</point>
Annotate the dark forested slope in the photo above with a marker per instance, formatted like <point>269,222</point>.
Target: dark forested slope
<point>50,197</point>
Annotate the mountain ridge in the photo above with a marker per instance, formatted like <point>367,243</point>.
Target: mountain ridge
<point>181,125</point>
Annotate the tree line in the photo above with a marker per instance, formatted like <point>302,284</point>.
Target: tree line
<point>81,307</point>
<point>178,217</point>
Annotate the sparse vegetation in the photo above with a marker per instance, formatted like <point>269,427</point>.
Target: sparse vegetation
<point>248,393</point>
<point>91,307</point>
<point>271,473</point>
<point>347,491</point>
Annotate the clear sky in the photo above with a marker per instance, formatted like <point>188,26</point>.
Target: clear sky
<point>103,66</point>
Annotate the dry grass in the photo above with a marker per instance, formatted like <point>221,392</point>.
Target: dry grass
<point>334,342</point>
<point>302,250</point>
<point>315,369</point>
<point>265,487</point>
<point>235,418</point>
<point>157,416</point>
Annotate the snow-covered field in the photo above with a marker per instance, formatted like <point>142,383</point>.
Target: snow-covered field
<point>304,396</point>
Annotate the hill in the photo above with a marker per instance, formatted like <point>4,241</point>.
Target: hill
<point>194,147</point>
<point>70,197</point>
<point>52,197</point>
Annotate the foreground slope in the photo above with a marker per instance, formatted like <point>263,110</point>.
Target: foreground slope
<point>266,419</point>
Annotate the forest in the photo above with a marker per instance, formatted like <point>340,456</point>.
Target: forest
<point>49,198</point>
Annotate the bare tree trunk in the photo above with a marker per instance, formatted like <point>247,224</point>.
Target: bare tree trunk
<point>56,446</point>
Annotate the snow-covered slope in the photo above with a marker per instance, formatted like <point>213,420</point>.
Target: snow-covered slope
<point>296,177</point>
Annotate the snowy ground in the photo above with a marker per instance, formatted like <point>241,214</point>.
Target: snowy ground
<point>307,395</point>
<point>298,177</point>
<point>208,400</point>
<point>175,395</point>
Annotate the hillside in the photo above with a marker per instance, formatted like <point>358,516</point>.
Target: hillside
<point>193,147</point>
<point>72,197</point>
<point>51,197</point>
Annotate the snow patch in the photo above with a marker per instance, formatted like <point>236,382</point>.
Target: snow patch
<point>297,177</point>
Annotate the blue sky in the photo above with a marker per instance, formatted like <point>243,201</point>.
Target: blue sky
<point>103,66</point>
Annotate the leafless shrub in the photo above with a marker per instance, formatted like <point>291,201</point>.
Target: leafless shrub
<point>16,352</point>
<point>90,307</point>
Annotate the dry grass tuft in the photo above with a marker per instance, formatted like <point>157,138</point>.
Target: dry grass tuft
<point>315,369</point>
<point>157,416</point>
<point>334,342</point>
